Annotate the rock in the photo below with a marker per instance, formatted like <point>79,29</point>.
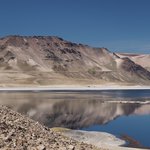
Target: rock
<point>41,147</point>
<point>71,147</point>
<point>20,132</point>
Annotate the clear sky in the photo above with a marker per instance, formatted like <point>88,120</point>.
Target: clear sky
<point>119,25</point>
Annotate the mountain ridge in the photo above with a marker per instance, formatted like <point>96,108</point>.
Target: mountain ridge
<point>54,57</point>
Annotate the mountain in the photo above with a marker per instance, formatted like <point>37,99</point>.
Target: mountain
<point>141,59</point>
<point>50,60</point>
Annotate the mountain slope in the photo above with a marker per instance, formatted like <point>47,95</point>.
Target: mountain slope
<point>141,59</point>
<point>46,60</point>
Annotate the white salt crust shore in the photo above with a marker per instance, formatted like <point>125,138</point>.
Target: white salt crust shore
<point>73,88</point>
<point>99,139</point>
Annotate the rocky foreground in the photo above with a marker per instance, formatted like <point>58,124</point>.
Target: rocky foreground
<point>21,133</point>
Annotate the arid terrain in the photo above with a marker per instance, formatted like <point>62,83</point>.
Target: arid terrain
<point>49,60</point>
<point>141,59</point>
<point>44,62</point>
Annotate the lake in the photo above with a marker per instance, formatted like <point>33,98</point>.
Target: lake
<point>124,113</point>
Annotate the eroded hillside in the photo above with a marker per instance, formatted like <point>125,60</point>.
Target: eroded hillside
<point>49,60</point>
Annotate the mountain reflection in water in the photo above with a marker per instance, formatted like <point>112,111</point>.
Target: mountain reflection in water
<point>71,110</point>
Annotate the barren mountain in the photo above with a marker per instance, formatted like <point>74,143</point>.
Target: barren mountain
<point>49,60</point>
<point>141,59</point>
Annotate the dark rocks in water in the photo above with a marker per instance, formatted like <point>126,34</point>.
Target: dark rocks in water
<point>132,142</point>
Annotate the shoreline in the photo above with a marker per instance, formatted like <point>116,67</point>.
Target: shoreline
<point>34,135</point>
<point>20,132</point>
<point>68,88</point>
<point>99,139</point>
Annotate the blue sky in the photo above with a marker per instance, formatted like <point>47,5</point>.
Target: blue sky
<point>119,25</point>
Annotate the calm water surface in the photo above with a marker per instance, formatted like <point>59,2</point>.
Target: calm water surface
<point>110,111</point>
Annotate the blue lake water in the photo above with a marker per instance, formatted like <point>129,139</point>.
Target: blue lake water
<point>127,93</point>
<point>137,127</point>
<point>88,110</point>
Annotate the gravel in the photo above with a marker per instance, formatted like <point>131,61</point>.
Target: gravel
<point>18,132</point>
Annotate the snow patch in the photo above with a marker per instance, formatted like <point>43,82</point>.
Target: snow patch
<point>118,62</point>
